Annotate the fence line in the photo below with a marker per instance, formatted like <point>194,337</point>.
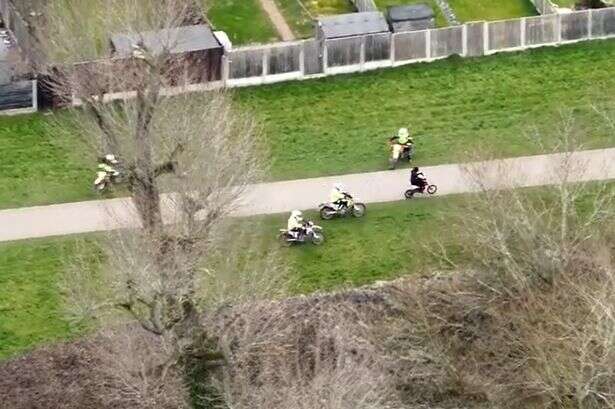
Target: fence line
<point>311,58</point>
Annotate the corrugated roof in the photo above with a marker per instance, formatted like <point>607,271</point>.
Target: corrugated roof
<point>178,40</point>
<point>346,25</point>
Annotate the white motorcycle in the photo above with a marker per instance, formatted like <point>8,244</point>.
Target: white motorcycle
<point>330,210</point>
<point>312,233</point>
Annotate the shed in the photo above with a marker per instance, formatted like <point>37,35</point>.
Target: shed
<point>195,44</point>
<point>349,25</point>
<point>411,17</point>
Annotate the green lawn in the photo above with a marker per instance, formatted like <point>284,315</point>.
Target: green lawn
<point>565,3</point>
<point>388,242</point>
<point>475,10</point>
<point>328,7</point>
<point>338,125</point>
<point>440,19</point>
<point>39,166</point>
<point>244,21</point>
<point>297,18</point>
<point>30,305</point>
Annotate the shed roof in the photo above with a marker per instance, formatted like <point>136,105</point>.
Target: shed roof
<point>180,40</point>
<point>346,25</point>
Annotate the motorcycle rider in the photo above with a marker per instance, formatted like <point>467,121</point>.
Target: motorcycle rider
<point>418,179</point>
<point>106,169</point>
<point>339,197</point>
<point>296,224</point>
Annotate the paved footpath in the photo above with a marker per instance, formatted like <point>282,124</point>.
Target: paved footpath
<point>278,197</point>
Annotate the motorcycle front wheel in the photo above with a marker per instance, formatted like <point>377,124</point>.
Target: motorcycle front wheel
<point>318,239</point>
<point>431,189</point>
<point>392,164</point>
<point>358,210</point>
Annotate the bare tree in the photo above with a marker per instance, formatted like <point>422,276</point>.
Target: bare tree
<point>186,160</point>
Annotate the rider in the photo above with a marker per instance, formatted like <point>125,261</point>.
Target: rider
<point>106,168</point>
<point>418,179</point>
<point>296,224</point>
<point>339,196</point>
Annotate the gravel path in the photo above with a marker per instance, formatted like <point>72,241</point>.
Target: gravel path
<point>277,19</point>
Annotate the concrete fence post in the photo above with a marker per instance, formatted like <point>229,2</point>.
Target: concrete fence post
<point>325,57</point>
<point>266,53</point>
<point>590,24</point>
<point>226,69</point>
<point>362,53</point>
<point>428,44</point>
<point>392,51</point>
<point>558,25</point>
<point>486,38</point>
<point>302,59</point>
<point>35,95</point>
<point>464,40</point>
<point>522,24</point>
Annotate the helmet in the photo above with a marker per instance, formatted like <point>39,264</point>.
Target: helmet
<point>415,169</point>
<point>296,213</point>
<point>338,186</point>
<point>403,133</point>
<point>111,159</point>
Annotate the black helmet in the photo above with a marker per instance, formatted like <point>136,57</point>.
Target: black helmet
<point>415,169</point>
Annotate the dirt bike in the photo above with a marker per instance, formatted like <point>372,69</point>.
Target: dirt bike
<point>312,233</point>
<point>105,179</point>
<point>400,152</point>
<point>330,210</point>
<point>430,189</point>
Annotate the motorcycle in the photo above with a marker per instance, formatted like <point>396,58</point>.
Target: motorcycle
<point>313,233</point>
<point>329,210</point>
<point>430,189</point>
<point>400,152</point>
<point>105,179</point>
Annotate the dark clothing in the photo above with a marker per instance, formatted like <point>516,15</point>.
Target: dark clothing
<point>418,179</point>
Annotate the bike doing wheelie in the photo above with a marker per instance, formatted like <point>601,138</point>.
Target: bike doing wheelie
<point>300,231</point>
<point>401,147</point>
<point>420,184</point>
<point>342,204</point>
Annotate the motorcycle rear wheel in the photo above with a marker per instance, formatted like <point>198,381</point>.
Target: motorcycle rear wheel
<point>409,194</point>
<point>326,213</point>
<point>283,238</point>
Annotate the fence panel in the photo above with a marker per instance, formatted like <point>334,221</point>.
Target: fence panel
<point>446,41</point>
<point>312,51</point>
<point>246,63</point>
<point>17,95</point>
<point>377,47</point>
<point>504,34</point>
<point>603,22</point>
<point>410,46</point>
<point>475,39</point>
<point>575,26</point>
<point>541,30</point>
<point>284,58</point>
<point>343,51</point>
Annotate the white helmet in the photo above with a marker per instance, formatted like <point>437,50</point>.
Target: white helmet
<point>403,133</point>
<point>296,213</point>
<point>338,186</point>
<point>111,159</point>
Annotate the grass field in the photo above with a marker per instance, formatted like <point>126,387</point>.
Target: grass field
<point>339,124</point>
<point>30,306</point>
<point>387,243</point>
<point>38,166</point>
<point>297,18</point>
<point>475,10</point>
<point>244,21</point>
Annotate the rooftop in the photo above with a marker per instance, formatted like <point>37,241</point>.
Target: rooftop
<point>353,24</point>
<point>179,40</point>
